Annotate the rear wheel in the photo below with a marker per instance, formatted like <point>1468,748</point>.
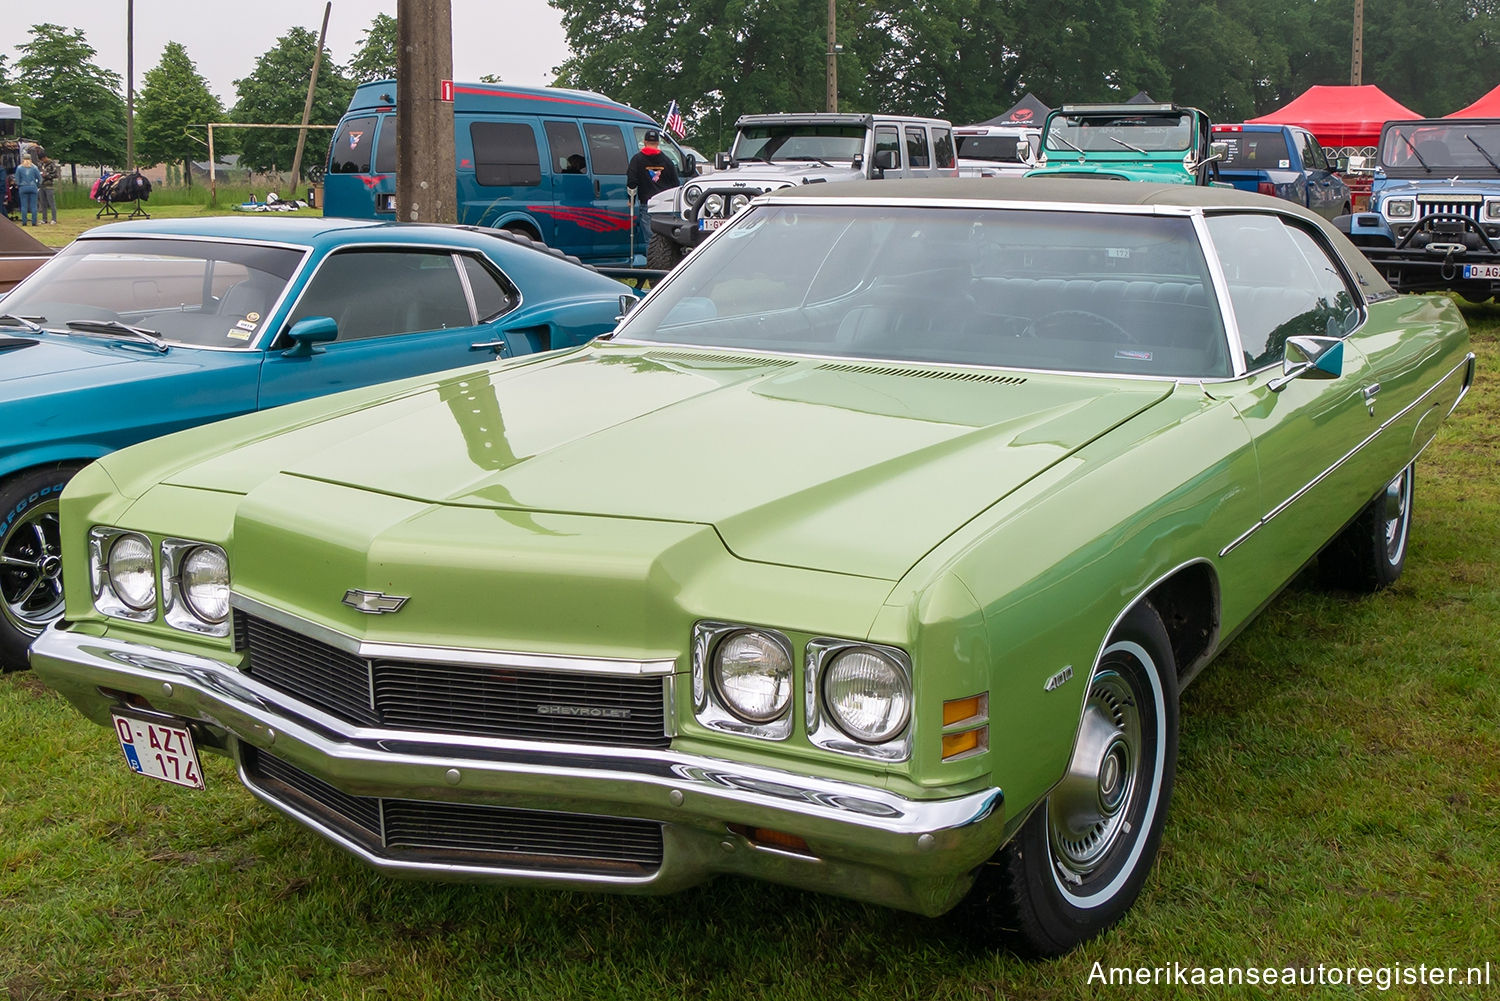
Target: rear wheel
<point>31,591</point>
<point>1080,860</point>
<point>663,253</point>
<point>1371,553</point>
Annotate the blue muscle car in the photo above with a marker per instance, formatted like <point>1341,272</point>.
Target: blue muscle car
<point>140,329</point>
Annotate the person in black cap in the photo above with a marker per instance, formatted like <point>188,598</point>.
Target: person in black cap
<point>650,171</point>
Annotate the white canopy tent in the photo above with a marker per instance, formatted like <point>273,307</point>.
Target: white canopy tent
<point>9,111</point>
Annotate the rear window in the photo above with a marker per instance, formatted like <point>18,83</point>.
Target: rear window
<point>1254,150</point>
<point>942,147</point>
<point>352,143</point>
<point>385,149</point>
<point>999,149</point>
<point>505,154</point>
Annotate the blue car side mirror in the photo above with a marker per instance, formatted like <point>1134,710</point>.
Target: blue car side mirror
<point>308,331</point>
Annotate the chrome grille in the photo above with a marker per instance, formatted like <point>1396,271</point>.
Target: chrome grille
<point>459,833</point>
<point>472,700</point>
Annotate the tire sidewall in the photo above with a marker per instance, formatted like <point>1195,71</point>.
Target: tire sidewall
<point>21,498</point>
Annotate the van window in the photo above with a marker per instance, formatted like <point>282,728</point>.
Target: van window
<point>887,138</point>
<point>607,148</point>
<point>385,150</point>
<point>352,143</point>
<point>566,147</point>
<point>666,145</point>
<point>505,154</point>
<point>942,147</point>
<point>916,147</point>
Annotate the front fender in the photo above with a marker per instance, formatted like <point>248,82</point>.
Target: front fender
<point>1365,226</point>
<point>80,453</point>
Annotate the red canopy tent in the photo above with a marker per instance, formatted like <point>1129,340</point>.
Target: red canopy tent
<point>1487,106</point>
<point>1341,117</point>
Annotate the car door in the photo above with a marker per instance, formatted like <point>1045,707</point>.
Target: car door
<point>888,139</point>
<point>400,311</point>
<point>1283,282</point>
<point>572,188</point>
<point>505,182</point>
<point>1320,193</point>
<point>918,152</point>
<point>609,157</point>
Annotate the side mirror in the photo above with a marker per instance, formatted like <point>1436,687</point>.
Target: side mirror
<point>1309,357</point>
<point>886,159</point>
<point>721,161</point>
<point>1217,151</point>
<point>627,303</point>
<point>308,331</point>
<point>689,165</point>
<point>1341,165</point>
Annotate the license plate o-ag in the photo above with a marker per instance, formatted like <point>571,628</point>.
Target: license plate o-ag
<point>1482,270</point>
<point>159,749</point>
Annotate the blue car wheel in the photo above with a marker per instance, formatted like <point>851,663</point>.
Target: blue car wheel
<point>31,591</point>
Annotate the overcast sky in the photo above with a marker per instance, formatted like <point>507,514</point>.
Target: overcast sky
<point>521,40</point>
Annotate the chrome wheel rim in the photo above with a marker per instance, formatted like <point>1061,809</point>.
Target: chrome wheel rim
<point>1087,812</point>
<point>31,590</point>
<point>1397,509</point>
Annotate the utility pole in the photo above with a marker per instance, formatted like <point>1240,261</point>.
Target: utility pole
<point>833,61</point>
<point>1356,65</point>
<point>129,84</point>
<point>312,84</point>
<point>426,171</point>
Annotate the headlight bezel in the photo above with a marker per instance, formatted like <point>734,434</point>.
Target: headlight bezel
<point>824,728</point>
<point>1491,210</point>
<point>712,709</point>
<point>179,609</point>
<point>107,599</point>
<point>1399,208</point>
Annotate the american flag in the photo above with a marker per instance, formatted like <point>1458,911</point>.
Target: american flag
<point>674,121</point>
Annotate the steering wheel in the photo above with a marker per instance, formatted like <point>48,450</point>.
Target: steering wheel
<point>1077,325</point>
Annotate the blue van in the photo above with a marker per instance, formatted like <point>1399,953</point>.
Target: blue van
<point>546,162</point>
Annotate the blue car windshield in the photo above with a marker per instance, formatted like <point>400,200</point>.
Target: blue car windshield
<point>181,291</point>
<point>1070,291</point>
<point>1459,146</point>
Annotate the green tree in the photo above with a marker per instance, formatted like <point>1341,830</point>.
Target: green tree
<point>69,104</point>
<point>273,94</point>
<point>174,97</point>
<point>376,59</point>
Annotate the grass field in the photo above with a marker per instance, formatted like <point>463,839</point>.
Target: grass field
<point>76,212</point>
<point>1337,803</point>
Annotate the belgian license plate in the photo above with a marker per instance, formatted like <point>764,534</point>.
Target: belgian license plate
<point>160,748</point>
<point>710,224</point>
<point>1482,270</point>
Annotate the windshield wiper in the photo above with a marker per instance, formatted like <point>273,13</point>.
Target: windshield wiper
<point>1414,152</point>
<point>1075,149</point>
<point>12,320</point>
<point>116,327</point>
<point>1482,151</point>
<point>814,159</point>
<point>1122,142</point>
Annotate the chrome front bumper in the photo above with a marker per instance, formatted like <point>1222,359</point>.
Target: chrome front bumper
<point>863,842</point>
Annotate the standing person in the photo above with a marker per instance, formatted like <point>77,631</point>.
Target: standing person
<point>9,160</point>
<point>28,181</point>
<point>47,193</point>
<point>650,171</point>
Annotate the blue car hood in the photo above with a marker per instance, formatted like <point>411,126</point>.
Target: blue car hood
<point>27,358</point>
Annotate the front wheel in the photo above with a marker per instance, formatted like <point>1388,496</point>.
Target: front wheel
<point>1371,553</point>
<point>1080,860</point>
<point>31,590</point>
<point>663,253</point>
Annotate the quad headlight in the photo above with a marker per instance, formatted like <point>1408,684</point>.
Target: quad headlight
<point>128,573</point>
<point>867,694</point>
<point>195,587</point>
<point>132,571</point>
<point>1400,208</point>
<point>752,672</point>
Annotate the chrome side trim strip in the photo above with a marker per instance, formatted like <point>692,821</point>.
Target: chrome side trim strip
<point>456,656</point>
<point>1468,363</point>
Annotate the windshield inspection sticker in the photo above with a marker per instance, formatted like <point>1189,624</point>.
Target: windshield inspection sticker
<point>1122,253</point>
<point>1284,164</point>
<point>238,335</point>
<point>245,324</point>
<point>1133,355</point>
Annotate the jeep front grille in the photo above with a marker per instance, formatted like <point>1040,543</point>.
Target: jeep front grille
<point>462,833</point>
<point>1469,209</point>
<point>468,700</point>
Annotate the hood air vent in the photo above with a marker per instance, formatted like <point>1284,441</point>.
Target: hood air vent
<point>918,373</point>
<point>9,343</point>
<point>728,360</point>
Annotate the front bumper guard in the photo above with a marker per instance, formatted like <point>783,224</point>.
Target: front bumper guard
<point>865,842</point>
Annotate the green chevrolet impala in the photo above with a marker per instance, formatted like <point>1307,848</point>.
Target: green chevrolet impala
<point>868,554</point>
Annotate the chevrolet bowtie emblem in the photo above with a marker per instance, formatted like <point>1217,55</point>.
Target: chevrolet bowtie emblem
<point>374,602</point>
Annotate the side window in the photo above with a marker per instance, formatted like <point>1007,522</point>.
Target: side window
<point>1334,299</point>
<point>350,151</point>
<point>606,148</point>
<point>492,294</point>
<point>942,147</point>
<point>566,147</point>
<point>916,148</point>
<point>887,138</point>
<point>385,149</point>
<point>1273,289</point>
<point>378,293</point>
<point>505,154</point>
<point>1320,155</point>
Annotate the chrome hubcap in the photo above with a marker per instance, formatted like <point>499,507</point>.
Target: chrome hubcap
<point>31,591</point>
<point>1086,812</point>
<point>1397,511</point>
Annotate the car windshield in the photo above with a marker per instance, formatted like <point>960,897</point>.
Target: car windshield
<point>1442,146</point>
<point>187,292</point>
<point>998,149</point>
<point>1254,150</point>
<point>799,142</point>
<point>1055,290</point>
<point>1120,133</point>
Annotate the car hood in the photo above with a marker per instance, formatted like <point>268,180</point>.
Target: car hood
<point>1161,172</point>
<point>1435,186</point>
<point>60,359</point>
<point>844,467</point>
<point>791,172</point>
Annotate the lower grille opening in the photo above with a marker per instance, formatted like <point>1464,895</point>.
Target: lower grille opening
<point>462,833</point>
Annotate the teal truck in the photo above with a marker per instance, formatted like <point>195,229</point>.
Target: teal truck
<point>1129,142</point>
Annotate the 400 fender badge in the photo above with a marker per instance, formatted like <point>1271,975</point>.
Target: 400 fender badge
<point>1059,679</point>
<point>374,602</point>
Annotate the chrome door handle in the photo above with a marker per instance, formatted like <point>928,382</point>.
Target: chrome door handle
<point>1370,392</point>
<point>496,346</point>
